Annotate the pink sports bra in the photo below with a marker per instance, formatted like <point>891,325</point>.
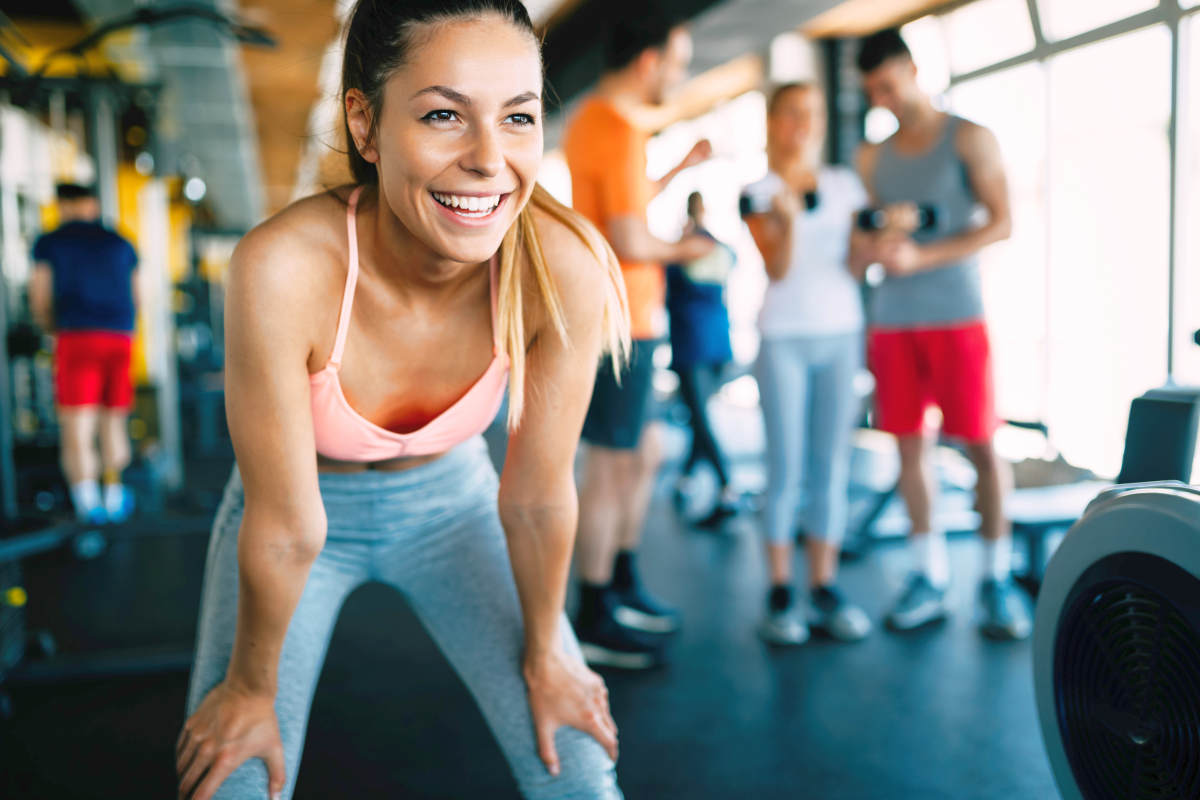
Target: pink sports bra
<point>344,434</point>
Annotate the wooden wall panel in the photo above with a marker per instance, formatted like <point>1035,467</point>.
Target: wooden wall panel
<point>283,84</point>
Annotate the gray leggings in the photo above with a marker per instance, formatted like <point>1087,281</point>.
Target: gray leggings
<point>806,385</point>
<point>434,533</point>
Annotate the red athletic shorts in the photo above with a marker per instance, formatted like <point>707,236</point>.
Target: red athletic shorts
<point>92,369</point>
<point>949,367</point>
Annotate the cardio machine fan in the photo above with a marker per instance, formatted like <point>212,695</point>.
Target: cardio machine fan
<point>1117,648</point>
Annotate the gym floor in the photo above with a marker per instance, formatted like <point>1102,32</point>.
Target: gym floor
<point>941,713</point>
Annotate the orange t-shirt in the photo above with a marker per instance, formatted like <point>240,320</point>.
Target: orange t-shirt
<point>606,155</point>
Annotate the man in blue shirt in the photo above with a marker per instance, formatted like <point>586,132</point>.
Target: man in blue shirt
<point>83,289</point>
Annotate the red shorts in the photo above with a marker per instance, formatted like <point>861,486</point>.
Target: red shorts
<point>92,369</point>
<point>949,367</point>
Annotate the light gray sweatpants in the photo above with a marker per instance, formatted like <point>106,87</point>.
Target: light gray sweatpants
<point>806,388</point>
<point>434,533</point>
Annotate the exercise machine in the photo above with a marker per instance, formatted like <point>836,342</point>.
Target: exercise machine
<point>1116,648</point>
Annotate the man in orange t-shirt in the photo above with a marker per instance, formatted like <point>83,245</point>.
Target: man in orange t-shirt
<point>618,623</point>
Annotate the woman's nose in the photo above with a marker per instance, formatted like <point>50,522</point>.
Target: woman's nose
<point>485,156</point>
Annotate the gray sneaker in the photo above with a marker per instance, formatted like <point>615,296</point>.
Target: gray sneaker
<point>784,627</point>
<point>921,603</point>
<point>1005,614</point>
<point>836,617</point>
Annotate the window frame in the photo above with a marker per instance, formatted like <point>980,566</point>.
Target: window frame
<point>1168,12</point>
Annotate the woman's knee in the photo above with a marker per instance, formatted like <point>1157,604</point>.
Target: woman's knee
<point>587,773</point>
<point>247,781</point>
<point>786,482</point>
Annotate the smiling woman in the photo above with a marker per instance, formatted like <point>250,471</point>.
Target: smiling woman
<point>434,108</point>
<point>456,273</point>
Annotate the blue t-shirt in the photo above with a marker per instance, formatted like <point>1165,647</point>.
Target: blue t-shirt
<point>93,269</point>
<point>699,320</point>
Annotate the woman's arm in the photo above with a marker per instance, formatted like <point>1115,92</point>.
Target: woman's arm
<point>863,252</point>
<point>283,525</point>
<point>774,235</point>
<point>538,503</point>
<point>270,422</point>
<point>774,230</point>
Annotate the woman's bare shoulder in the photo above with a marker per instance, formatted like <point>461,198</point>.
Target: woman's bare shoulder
<point>297,252</point>
<point>575,252</point>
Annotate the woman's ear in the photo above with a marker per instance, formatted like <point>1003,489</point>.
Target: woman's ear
<point>358,119</point>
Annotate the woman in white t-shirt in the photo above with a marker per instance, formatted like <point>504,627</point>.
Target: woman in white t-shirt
<point>811,323</point>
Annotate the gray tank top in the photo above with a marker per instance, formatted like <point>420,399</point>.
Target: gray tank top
<point>944,295</point>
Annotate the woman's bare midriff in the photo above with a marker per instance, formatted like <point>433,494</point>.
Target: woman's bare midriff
<point>390,465</point>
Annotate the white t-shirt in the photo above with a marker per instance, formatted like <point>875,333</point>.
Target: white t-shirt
<point>818,296</point>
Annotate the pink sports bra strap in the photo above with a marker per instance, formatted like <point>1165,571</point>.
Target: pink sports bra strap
<point>493,279</point>
<point>339,343</point>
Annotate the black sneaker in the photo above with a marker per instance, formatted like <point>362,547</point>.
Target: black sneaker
<point>681,495</point>
<point>721,513</point>
<point>634,608</point>
<point>607,643</point>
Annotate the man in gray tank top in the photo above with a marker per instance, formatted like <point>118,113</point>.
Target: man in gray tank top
<point>928,343</point>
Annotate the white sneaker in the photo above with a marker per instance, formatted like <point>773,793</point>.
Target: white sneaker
<point>118,502</point>
<point>837,617</point>
<point>785,627</point>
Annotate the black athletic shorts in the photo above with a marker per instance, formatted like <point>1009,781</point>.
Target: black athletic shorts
<point>617,414</point>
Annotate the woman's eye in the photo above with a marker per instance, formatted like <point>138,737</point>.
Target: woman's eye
<point>521,119</point>
<point>441,115</point>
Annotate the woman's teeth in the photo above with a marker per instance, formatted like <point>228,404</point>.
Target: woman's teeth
<point>468,206</point>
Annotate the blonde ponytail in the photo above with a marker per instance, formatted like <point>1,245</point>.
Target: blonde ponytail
<point>522,246</point>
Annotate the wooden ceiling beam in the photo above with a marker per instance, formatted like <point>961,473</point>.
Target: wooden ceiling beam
<point>704,92</point>
<point>861,17</point>
<point>283,84</point>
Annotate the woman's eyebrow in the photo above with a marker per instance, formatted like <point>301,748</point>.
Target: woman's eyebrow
<point>462,99</point>
<point>446,92</point>
<point>524,97</point>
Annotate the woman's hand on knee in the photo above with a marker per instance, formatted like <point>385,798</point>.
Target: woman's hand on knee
<point>229,728</point>
<point>563,691</point>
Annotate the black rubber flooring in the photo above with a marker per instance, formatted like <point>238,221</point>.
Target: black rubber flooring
<point>941,713</point>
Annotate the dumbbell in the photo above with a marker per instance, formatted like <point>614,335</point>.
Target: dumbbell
<point>761,203</point>
<point>877,219</point>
